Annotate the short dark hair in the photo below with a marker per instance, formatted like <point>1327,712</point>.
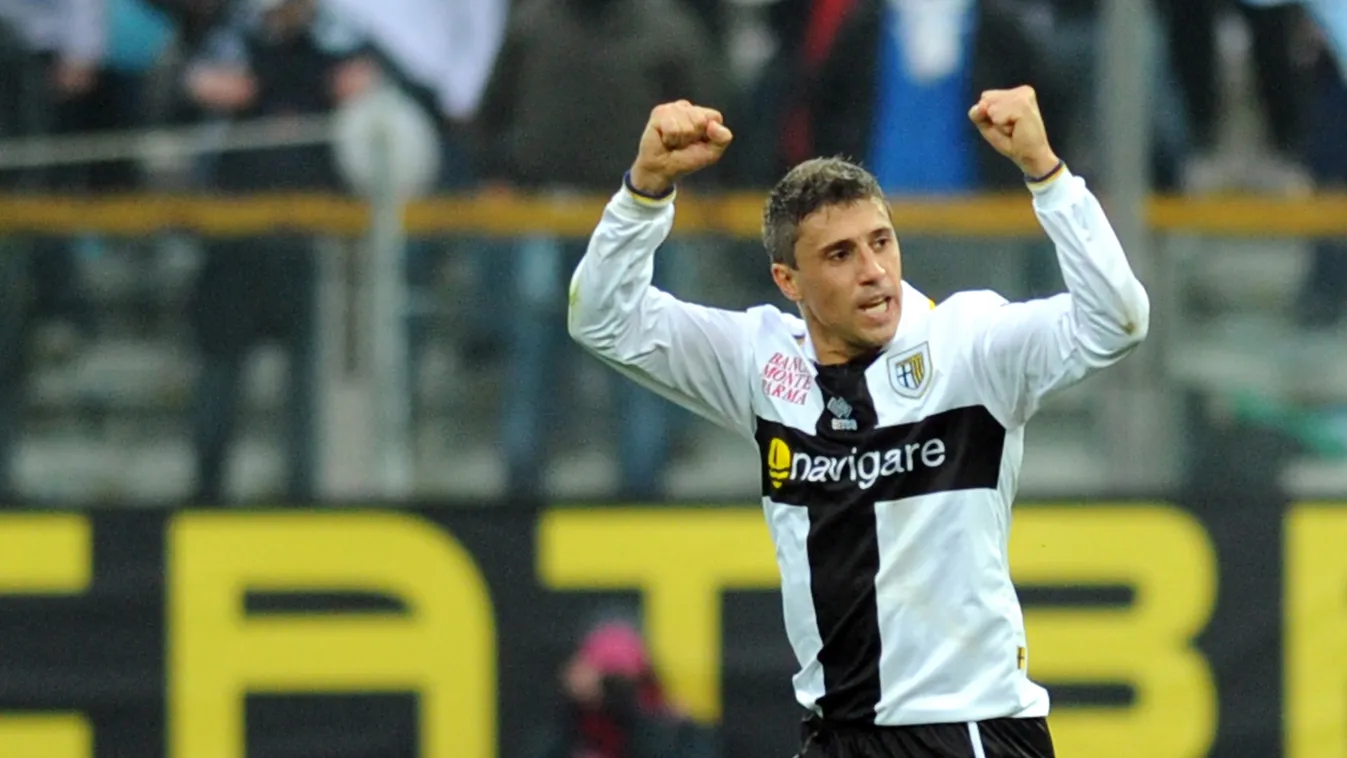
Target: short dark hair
<point>810,186</point>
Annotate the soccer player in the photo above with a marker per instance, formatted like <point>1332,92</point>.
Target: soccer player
<point>890,428</point>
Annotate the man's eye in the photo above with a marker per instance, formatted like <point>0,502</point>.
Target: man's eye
<point>839,255</point>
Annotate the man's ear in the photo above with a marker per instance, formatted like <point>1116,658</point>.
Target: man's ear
<point>784,276</point>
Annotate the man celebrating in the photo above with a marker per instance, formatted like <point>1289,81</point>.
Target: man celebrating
<point>890,428</point>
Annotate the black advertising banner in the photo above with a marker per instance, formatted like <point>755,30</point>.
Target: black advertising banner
<point>1215,628</point>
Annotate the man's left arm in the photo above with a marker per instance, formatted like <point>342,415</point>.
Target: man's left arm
<point>1024,351</point>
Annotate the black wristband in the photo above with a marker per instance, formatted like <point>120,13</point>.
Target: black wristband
<point>626,182</point>
<point>1040,179</point>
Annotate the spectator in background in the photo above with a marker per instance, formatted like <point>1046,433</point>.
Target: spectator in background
<point>1069,37</point>
<point>614,706</point>
<point>876,65</point>
<point>1192,28</point>
<point>869,65</point>
<point>63,44</point>
<point>762,45</point>
<point>51,55</point>
<point>573,78</point>
<point>57,84</point>
<point>194,20</point>
<point>441,54</point>
<point>72,77</point>
<point>1324,292</point>
<point>764,41</point>
<point>274,58</point>
<point>917,56</point>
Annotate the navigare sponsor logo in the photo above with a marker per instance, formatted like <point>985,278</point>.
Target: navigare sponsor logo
<point>862,469</point>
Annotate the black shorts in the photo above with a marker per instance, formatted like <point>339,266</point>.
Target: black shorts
<point>995,738</point>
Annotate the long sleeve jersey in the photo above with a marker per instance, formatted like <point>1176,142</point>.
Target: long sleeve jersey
<point>887,483</point>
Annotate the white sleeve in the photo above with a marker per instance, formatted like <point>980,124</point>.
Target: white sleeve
<point>1023,352</point>
<point>697,357</point>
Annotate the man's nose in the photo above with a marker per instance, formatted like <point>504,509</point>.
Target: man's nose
<point>871,267</point>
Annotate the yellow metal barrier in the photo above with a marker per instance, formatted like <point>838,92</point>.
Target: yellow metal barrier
<point>732,215</point>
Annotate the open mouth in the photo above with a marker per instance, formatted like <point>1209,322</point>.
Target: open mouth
<point>877,307</point>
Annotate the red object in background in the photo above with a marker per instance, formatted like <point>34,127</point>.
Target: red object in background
<point>825,21</point>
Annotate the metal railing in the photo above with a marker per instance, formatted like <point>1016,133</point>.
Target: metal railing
<point>164,144</point>
<point>379,290</point>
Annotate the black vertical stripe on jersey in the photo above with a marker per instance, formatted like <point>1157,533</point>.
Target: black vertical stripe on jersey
<point>843,547</point>
<point>843,543</point>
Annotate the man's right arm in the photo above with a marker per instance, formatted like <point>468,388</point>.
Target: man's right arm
<point>697,357</point>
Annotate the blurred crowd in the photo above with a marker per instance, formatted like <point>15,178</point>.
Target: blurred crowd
<point>548,96</point>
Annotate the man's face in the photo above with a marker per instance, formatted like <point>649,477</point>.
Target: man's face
<point>847,279</point>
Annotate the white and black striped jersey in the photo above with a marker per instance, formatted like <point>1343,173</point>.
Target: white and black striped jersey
<point>887,483</point>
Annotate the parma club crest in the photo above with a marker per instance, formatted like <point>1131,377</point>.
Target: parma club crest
<point>910,371</point>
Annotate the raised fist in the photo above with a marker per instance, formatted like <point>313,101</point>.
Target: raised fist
<point>679,139</point>
<point>1011,122</point>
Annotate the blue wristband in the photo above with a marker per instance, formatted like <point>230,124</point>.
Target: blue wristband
<point>1061,164</point>
<point>626,182</point>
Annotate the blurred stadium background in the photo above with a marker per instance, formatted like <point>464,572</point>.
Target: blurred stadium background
<point>297,459</point>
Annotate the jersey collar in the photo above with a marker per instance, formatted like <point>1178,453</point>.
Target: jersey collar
<point>917,309</point>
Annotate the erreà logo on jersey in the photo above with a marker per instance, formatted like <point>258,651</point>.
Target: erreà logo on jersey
<point>861,468</point>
